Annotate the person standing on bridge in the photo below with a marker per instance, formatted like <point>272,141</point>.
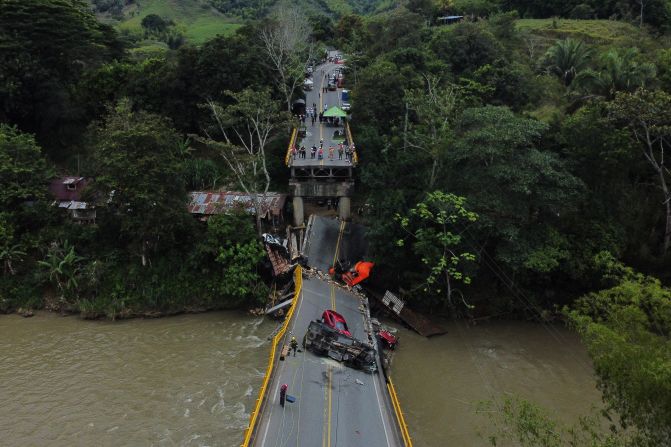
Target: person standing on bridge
<point>283,393</point>
<point>313,151</point>
<point>331,152</point>
<point>340,151</point>
<point>320,153</point>
<point>294,345</point>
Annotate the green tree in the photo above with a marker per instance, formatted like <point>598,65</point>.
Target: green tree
<point>379,94</point>
<point>45,46</point>
<point>435,110</point>
<point>399,28</point>
<point>615,202</point>
<point>235,247</point>
<point>647,115</point>
<point>518,190</point>
<point>247,127</point>
<point>153,22</point>
<point>288,48</point>
<point>566,58</point>
<point>23,171</point>
<point>139,179</point>
<point>620,72</point>
<point>626,329</point>
<point>436,240</point>
<point>466,47</point>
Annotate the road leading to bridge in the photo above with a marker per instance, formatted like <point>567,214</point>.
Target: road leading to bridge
<point>336,405</point>
<point>321,131</point>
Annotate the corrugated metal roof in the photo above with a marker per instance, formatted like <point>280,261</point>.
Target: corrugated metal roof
<point>208,202</point>
<point>73,205</point>
<point>72,180</point>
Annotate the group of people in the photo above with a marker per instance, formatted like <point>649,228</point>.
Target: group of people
<point>346,150</point>
<point>313,116</point>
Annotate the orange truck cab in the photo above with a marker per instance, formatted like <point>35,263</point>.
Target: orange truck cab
<point>360,272</point>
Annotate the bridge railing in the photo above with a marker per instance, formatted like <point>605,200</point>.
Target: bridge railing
<point>292,142</point>
<point>399,414</point>
<point>350,140</point>
<point>277,339</point>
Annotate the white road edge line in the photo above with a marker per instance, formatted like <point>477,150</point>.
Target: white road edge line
<point>265,432</point>
<point>377,395</point>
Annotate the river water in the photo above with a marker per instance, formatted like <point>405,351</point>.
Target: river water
<point>191,380</point>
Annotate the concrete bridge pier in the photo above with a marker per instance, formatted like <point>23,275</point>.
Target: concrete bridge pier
<point>299,215</point>
<point>344,205</point>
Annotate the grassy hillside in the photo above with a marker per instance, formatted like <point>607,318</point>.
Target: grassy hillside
<point>196,18</point>
<point>596,32</point>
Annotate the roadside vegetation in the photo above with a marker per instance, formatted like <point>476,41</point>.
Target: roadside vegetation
<point>512,164</point>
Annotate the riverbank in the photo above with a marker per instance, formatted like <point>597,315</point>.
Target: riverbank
<point>27,312</point>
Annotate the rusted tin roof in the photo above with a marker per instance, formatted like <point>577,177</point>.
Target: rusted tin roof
<point>218,202</point>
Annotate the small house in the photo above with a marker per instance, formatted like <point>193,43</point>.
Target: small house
<point>67,193</point>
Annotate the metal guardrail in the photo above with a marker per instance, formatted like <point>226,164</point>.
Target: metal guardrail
<point>399,414</point>
<point>249,431</point>
<point>292,141</point>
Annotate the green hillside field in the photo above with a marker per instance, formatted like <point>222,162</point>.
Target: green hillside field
<point>595,32</point>
<point>198,20</point>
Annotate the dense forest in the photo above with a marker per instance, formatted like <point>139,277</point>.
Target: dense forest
<point>512,164</point>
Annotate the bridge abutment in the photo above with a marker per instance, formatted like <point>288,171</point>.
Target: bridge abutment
<point>344,208</point>
<point>299,215</point>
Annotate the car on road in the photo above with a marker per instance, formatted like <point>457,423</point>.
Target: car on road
<point>346,106</point>
<point>336,321</point>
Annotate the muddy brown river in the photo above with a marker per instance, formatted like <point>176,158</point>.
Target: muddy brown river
<point>191,380</point>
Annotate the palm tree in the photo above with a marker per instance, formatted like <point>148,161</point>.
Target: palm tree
<point>10,254</point>
<point>621,72</point>
<point>566,58</point>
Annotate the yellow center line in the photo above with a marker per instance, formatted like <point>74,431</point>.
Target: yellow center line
<point>337,248</point>
<point>335,259</point>
<point>333,300</point>
<point>326,435</point>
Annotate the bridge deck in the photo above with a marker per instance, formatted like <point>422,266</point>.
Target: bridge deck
<point>318,131</point>
<point>336,405</point>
